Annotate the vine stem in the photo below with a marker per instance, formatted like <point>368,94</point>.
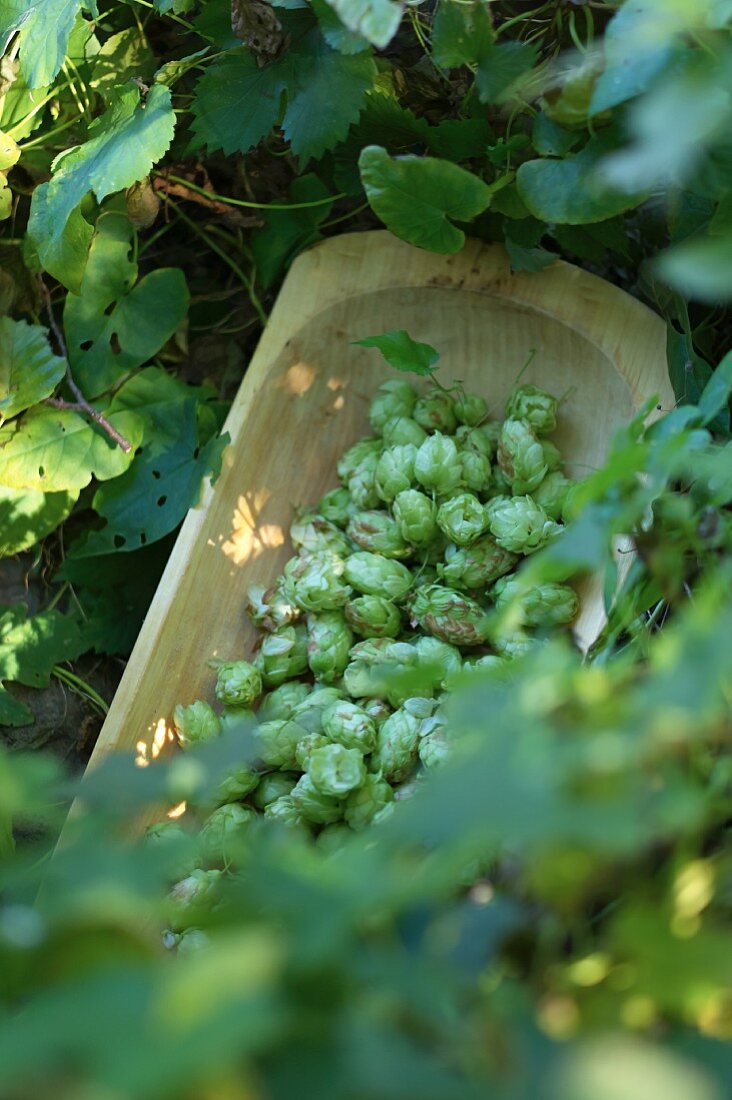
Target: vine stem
<point>80,404</point>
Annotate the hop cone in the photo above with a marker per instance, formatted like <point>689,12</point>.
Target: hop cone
<point>416,516</point>
<point>519,524</point>
<point>437,465</point>
<point>366,801</point>
<point>477,565</point>
<point>395,470</point>
<point>393,398</point>
<point>313,581</point>
<point>403,429</point>
<point>396,745</point>
<point>462,518</point>
<point>283,655</point>
<point>449,615</point>
<point>521,456</point>
<point>535,406</point>
<point>470,408</point>
<point>551,494</point>
<point>379,533</point>
<point>375,575</point>
<point>314,534</point>
<point>436,412</point>
<point>374,617</point>
<point>329,641</point>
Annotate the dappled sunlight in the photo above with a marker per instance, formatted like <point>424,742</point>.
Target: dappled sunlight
<point>248,538</point>
<point>147,751</point>
<point>298,379</point>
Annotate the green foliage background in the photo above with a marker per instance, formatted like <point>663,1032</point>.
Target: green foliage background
<point>161,165</point>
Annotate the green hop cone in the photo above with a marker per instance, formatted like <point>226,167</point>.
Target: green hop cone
<point>416,516</point>
<point>172,839</point>
<point>519,524</point>
<point>521,456</point>
<point>552,455</point>
<point>196,723</point>
<point>281,702</point>
<point>273,786</point>
<point>306,746</point>
<point>378,711</point>
<point>396,745</point>
<point>440,661</point>
<point>375,575</point>
<point>481,440</point>
<point>270,608</point>
<point>284,811</point>
<point>434,748</point>
<point>192,941</point>
<point>362,483</point>
<point>402,429</point>
<point>537,408</point>
<point>449,615</point>
<point>347,724</point>
<point>313,534</point>
<point>435,412</point>
<point>551,494</point>
<point>462,518</point>
<point>336,506</point>
<point>514,644</point>
<point>379,533</point>
<point>476,471</point>
<point>194,894</point>
<point>470,408</point>
<point>238,781</point>
<point>374,617</point>
<point>393,398</point>
<point>370,675</point>
<point>317,808</point>
<point>313,581</point>
<point>336,770</point>
<point>437,466</point>
<point>331,838</point>
<point>309,713</point>
<point>542,605</point>
<point>363,804</point>
<point>283,655</point>
<point>222,832</point>
<point>329,641</point>
<point>395,470</point>
<point>276,742</point>
<point>351,459</point>
<point>476,566</point>
<point>238,683</point>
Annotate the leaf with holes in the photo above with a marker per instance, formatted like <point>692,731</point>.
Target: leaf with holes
<point>126,141</point>
<point>43,28</point>
<point>153,496</point>
<point>29,371</point>
<point>328,95</point>
<point>27,516</point>
<point>417,198</point>
<point>29,648</point>
<point>116,324</point>
<point>56,449</point>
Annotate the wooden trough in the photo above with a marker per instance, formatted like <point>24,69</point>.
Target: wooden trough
<point>304,399</point>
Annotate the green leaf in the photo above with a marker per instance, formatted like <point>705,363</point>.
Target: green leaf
<point>571,191</point>
<point>27,516</point>
<point>461,33</point>
<point>403,353</point>
<point>127,140</point>
<point>528,258</point>
<point>550,139</point>
<point>237,103</point>
<point>115,591</point>
<point>29,649</point>
<point>416,197</point>
<point>715,396</point>
<point>56,450</point>
<point>335,33</point>
<point>501,68</point>
<point>43,28</point>
<point>328,95</point>
<point>29,371</point>
<point>375,20</point>
<point>121,57</point>
<point>688,372</point>
<point>701,268</point>
<point>288,232</point>
<point>153,496</point>
<point>116,324</point>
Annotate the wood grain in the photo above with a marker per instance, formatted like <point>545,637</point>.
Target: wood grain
<point>304,399</point>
